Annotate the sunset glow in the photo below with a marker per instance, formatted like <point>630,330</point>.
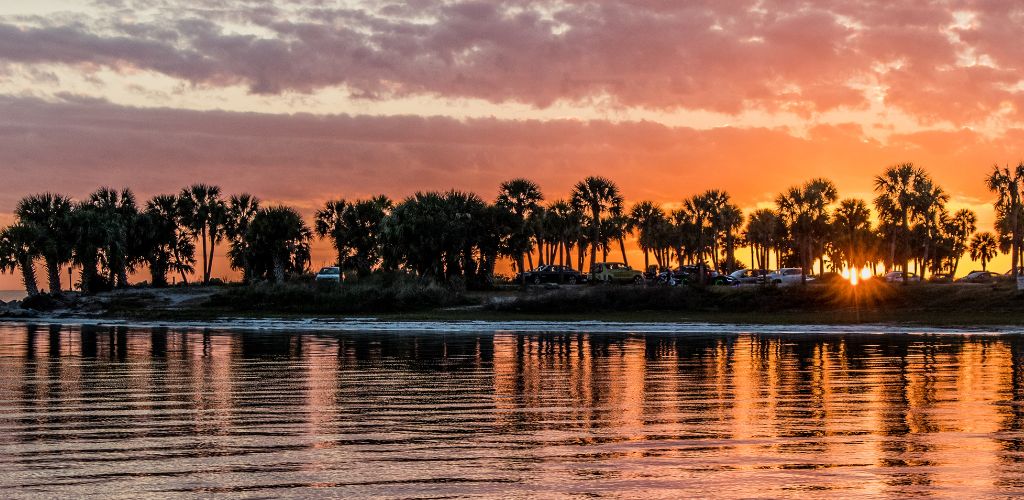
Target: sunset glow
<point>299,102</point>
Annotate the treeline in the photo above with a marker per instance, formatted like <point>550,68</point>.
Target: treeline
<point>457,237</point>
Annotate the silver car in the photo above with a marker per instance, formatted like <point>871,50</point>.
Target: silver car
<point>787,276</point>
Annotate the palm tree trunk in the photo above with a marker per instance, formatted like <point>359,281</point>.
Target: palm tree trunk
<point>595,234</point>
<point>28,276</point>
<point>206,276</point>
<point>158,273</point>
<point>209,265</point>
<point>53,274</point>
<point>622,247</point>
<point>122,276</point>
<point>278,269</point>
<point>87,275</point>
<point>1015,244</point>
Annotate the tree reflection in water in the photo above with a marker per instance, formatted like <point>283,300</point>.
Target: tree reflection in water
<point>111,410</point>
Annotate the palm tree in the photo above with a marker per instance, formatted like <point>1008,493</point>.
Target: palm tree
<point>522,198</point>
<point>328,223</point>
<point>984,247</point>
<point>728,223</point>
<point>762,227</point>
<point>619,226</point>
<point>804,210</point>
<point>278,242</point>
<point>851,224</point>
<point>168,248</point>
<point>92,231</point>
<point>49,213</point>
<point>354,230</point>
<point>959,228</point>
<point>699,210</point>
<point>120,212</point>
<point>240,211</point>
<point>601,196</point>
<point>18,250</point>
<point>1007,185</point>
<point>645,217</point>
<point>930,211</point>
<point>563,226</point>
<point>202,212</point>
<point>899,191</point>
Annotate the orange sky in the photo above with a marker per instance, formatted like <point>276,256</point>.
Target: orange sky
<point>298,103</point>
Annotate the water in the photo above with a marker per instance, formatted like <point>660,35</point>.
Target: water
<point>156,412</point>
<point>9,295</point>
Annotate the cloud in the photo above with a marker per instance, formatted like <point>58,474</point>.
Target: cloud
<point>725,56</point>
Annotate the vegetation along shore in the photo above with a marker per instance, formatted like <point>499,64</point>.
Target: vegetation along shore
<point>435,254</point>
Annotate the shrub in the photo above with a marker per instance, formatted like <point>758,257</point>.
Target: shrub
<point>378,293</point>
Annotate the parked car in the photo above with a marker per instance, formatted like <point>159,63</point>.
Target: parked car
<point>897,276</point>
<point>724,280</point>
<point>615,272</point>
<point>552,274</point>
<point>328,275</point>
<point>940,278</point>
<point>750,276</point>
<point>980,277</point>
<point>788,276</point>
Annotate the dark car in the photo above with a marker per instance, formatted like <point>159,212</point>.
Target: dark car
<point>979,277</point>
<point>724,280</point>
<point>686,275</point>
<point>751,276</point>
<point>553,274</point>
<point>940,278</point>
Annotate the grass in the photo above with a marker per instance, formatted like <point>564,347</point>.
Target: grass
<point>376,294</point>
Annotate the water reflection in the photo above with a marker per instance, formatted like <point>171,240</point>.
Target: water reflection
<point>113,410</point>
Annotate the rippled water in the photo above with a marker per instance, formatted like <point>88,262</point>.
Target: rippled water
<point>157,412</point>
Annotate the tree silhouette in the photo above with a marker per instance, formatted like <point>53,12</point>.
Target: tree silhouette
<point>984,247</point>
<point>646,216</point>
<point>804,210</point>
<point>119,212</point>
<point>240,211</point>
<point>168,248</point>
<point>50,215</point>
<point>851,232</point>
<point>762,228</point>
<point>1007,185</point>
<point>277,242</point>
<point>959,228</point>
<point>601,197</point>
<point>900,191</point>
<point>202,212</point>
<point>18,250</point>
<point>521,198</point>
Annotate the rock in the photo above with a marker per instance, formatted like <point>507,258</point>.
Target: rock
<point>40,302</point>
<point>17,312</point>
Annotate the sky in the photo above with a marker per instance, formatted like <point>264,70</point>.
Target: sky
<point>299,102</point>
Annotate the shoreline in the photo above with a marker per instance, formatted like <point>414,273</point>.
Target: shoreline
<point>891,308</point>
<point>467,326</point>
